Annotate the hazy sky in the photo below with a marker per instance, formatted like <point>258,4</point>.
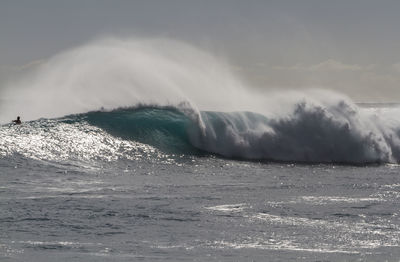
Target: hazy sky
<point>346,45</point>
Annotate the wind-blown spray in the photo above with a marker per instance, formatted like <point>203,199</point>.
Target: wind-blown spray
<point>116,73</point>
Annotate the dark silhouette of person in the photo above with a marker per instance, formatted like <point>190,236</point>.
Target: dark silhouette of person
<point>18,121</point>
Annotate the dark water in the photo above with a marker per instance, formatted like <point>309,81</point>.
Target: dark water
<point>198,209</point>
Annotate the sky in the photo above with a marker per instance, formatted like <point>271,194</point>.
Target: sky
<point>351,46</point>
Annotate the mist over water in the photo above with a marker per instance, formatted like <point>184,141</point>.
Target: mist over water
<point>227,116</point>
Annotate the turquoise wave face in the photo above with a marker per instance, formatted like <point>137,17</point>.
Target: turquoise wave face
<point>310,135</point>
<point>165,128</point>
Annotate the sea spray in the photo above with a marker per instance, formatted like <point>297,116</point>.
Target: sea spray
<point>311,133</point>
<point>115,73</point>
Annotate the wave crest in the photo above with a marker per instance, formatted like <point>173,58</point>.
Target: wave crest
<point>340,133</point>
<point>337,133</point>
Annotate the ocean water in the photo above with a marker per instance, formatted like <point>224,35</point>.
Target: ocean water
<point>137,184</point>
<point>153,150</point>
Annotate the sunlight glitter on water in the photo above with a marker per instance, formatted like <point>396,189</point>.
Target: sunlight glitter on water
<point>54,140</point>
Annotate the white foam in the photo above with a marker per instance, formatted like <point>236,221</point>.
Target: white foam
<point>228,208</point>
<point>281,245</point>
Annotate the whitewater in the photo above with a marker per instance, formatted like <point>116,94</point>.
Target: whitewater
<point>153,149</point>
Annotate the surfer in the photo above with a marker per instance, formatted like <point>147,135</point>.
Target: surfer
<point>17,121</point>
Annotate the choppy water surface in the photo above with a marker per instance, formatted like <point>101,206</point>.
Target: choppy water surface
<point>197,208</point>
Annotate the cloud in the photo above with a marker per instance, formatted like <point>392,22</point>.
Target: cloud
<point>327,66</point>
<point>28,65</point>
<point>396,67</point>
<point>365,83</point>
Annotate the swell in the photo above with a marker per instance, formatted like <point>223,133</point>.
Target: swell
<point>337,133</point>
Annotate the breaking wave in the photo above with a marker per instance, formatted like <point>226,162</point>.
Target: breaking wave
<point>310,134</point>
<point>338,134</point>
<point>179,99</point>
